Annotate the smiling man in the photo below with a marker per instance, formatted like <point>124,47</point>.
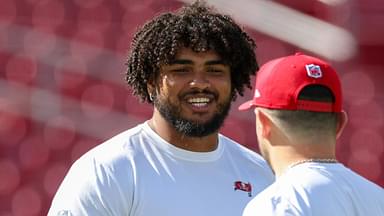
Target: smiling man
<point>190,64</point>
<point>192,99</point>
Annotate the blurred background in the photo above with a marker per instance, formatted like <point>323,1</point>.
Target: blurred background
<point>62,88</point>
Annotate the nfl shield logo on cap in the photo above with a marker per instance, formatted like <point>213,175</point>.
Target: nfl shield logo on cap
<point>313,70</point>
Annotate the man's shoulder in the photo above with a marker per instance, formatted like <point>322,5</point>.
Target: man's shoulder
<point>234,146</point>
<point>244,155</point>
<point>271,201</point>
<point>113,150</point>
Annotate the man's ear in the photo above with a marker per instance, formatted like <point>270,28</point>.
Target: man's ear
<point>341,123</point>
<point>151,88</point>
<point>264,123</point>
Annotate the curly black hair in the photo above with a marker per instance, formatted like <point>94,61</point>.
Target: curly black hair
<point>195,26</point>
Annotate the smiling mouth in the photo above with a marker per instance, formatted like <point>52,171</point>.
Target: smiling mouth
<point>199,102</point>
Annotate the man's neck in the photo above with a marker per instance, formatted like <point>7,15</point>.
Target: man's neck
<point>285,157</point>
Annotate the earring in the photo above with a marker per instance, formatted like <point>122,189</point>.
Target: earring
<point>151,97</point>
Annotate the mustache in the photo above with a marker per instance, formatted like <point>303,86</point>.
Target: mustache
<point>213,94</point>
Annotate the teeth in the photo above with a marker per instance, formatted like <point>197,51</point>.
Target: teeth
<point>199,102</point>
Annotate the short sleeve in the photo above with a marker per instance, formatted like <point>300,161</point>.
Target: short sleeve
<point>94,187</point>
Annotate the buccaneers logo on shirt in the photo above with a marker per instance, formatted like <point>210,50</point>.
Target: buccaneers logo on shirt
<point>247,187</point>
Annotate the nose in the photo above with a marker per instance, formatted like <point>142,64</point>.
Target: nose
<point>200,81</point>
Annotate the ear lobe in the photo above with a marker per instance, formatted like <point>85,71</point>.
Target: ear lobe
<point>342,122</point>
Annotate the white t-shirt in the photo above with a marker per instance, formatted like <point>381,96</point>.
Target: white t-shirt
<point>137,173</point>
<point>318,189</point>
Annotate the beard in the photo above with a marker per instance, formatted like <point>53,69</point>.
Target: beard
<point>172,114</point>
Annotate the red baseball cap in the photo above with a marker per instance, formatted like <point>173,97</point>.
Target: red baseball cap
<point>279,82</point>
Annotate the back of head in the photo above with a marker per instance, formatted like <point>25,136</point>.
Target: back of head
<point>308,125</point>
<point>302,93</point>
<point>196,26</point>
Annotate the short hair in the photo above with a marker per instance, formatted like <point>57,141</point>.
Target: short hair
<point>194,26</point>
<point>309,123</point>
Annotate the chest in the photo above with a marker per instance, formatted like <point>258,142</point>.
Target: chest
<point>164,186</point>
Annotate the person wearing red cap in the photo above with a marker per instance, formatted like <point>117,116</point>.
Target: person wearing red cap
<point>299,116</point>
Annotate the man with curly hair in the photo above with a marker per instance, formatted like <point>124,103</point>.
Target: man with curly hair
<point>190,64</point>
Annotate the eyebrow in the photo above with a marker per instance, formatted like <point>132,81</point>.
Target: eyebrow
<point>189,62</point>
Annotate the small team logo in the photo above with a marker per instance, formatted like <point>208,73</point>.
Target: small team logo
<point>313,70</point>
<point>247,187</point>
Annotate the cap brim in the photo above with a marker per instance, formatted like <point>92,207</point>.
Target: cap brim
<point>247,105</point>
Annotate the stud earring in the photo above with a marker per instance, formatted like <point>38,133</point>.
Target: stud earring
<point>151,97</point>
